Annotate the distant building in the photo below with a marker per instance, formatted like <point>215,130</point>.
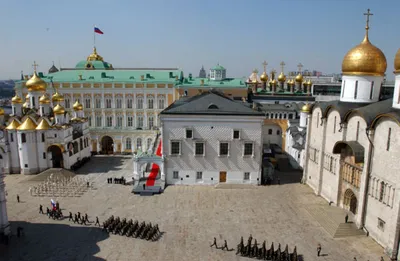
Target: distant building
<point>202,73</point>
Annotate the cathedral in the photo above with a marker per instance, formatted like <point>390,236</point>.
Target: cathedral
<point>353,145</point>
<point>40,133</point>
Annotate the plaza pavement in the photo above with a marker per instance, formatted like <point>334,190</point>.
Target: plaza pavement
<point>190,216</point>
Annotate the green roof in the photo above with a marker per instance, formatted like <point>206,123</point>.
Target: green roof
<point>151,75</point>
<point>226,83</point>
<point>95,64</point>
<point>218,67</point>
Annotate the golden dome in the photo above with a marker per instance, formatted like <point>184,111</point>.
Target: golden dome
<point>58,110</point>
<point>364,59</point>
<point>28,124</point>
<point>299,78</point>
<point>44,99</point>
<point>36,83</point>
<point>25,105</point>
<point>16,99</point>
<point>397,62</point>
<point>281,77</point>
<point>57,97</point>
<point>1,111</point>
<point>264,77</point>
<point>43,125</point>
<point>306,108</point>
<point>14,124</point>
<point>94,56</point>
<point>273,82</point>
<point>77,106</point>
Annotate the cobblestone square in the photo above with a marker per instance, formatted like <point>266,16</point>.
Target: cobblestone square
<point>190,216</point>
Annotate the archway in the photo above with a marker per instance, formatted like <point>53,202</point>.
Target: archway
<point>56,155</point>
<point>107,145</point>
<point>350,201</point>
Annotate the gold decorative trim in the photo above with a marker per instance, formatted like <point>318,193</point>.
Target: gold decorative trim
<point>362,74</point>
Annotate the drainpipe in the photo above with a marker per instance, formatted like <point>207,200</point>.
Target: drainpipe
<point>368,132</point>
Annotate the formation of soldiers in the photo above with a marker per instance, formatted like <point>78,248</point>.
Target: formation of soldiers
<point>61,187</point>
<point>252,250</point>
<point>121,180</point>
<point>132,228</point>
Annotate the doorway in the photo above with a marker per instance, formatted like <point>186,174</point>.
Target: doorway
<point>222,176</point>
<point>350,201</point>
<point>56,156</point>
<point>107,145</point>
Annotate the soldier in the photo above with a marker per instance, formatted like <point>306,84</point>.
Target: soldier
<point>215,243</point>
<point>225,245</point>
<point>18,198</point>
<point>97,221</point>
<point>76,220</point>
<point>70,216</point>
<point>319,249</point>
<point>79,215</point>
<point>83,221</point>
<point>47,211</point>
<point>144,186</point>
<point>41,209</point>
<point>86,218</point>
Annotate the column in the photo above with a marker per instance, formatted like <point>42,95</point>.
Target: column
<point>145,123</point>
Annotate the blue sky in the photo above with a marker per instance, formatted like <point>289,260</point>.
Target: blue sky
<point>180,33</point>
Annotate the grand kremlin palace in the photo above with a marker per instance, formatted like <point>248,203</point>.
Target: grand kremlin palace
<point>122,104</point>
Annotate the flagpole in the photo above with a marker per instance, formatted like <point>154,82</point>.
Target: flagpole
<point>94,37</point>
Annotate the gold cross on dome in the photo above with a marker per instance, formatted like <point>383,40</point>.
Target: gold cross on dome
<point>35,65</point>
<point>282,65</point>
<point>368,14</point>
<point>265,65</point>
<point>299,66</point>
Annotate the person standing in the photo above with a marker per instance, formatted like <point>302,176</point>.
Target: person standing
<point>97,221</point>
<point>319,248</point>
<point>346,218</point>
<point>70,216</point>
<point>18,198</point>
<point>41,209</point>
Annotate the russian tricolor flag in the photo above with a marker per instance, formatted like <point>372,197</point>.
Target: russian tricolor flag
<point>97,30</point>
<point>53,204</point>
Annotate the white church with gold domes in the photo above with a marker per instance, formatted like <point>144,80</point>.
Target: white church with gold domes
<point>40,134</point>
<point>353,146</point>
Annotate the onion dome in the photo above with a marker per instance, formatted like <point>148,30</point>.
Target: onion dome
<point>1,111</point>
<point>44,99</point>
<point>28,124</point>
<point>306,108</point>
<point>281,77</point>
<point>57,97</point>
<point>94,56</point>
<point>27,96</point>
<point>264,77</point>
<point>58,110</point>
<point>25,105</point>
<point>273,82</point>
<point>77,106</point>
<point>16,99</point>
<point>53,69</point>
<point>299,78</point>
<point>290,82</point>
<point>397,62</point>
<point>309,82</point>
<point>365,58</point>
<point>43,125</point>
<point>35,83</point>
<point>14,124</point>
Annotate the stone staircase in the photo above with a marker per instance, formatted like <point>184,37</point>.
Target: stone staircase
<point>348,230</point>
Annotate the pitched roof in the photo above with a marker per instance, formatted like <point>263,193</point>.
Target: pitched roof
<point>210,103</point>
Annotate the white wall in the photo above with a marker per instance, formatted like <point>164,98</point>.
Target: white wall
<point>28,153</point>
<point>14,153</point>
<point>212,129</point>
<point>273,138</point>
<point>364,86</point>
<point>396,95</point>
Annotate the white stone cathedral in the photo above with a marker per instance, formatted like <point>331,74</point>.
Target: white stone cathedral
<point>40,134</point>
<point>353,146</point>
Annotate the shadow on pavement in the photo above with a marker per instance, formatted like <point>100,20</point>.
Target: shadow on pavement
<point>102,164</point>
<point>52,242</point>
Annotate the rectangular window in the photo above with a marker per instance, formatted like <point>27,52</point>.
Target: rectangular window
<point>246,176</point>
<point>381,224</point>
<point>355,90</point>
<point>140,122</point>
<point>98,103</point>
<point>23,137</point>
<point>248,149</point>
<point>119,103</point>
<point>44,155</point>
<point>87,103</point>
<point>119,121</point>
<point>108,103</point>
<point>371,93</point>
<point>175,148</point>
<point>317,119</point>
<point>150,104</point>
<point>199,149</point>
<point>269,131</point>
<point>130,121</point>
<point>388,139</point>
<point>139,104</point>
<point>43,138</point>
<point>109,121</point>
<point>129,104</point>
<point>236,134</point>
<point>151,122</point>
<point>161,104</point>
<point>98,121</point>
<point>189,134</point>
<point>223,149</point>
<point>175,174</point>
<point>290,116</point>
<point>334,125</point>
<point>12,137</point>
<point>357,130</point>
<point>199,175</point>
<point>67,103</point>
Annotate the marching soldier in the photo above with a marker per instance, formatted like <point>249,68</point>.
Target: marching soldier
<point>97,221</point>
<point>225,245</point>
<point>79,215</point>
<point>319,249</point>
<point>86,218</point>
<point>76,220</point>
<point>41,209</point>
<point>215,243</point>
<point>70,216</point>
<point>18,198</point>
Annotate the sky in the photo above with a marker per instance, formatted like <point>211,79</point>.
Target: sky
<point>238,34</point>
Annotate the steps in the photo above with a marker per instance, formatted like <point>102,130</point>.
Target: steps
<point>348,230</point>
<point>324,219</point>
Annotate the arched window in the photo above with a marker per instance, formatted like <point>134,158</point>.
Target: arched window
<point>150,103</point>
<point>139,104</point>
<point>23,137</point>
<point>76,148</point>
<point>149,141</point>
<point>212,107</point>
<point>151,122</point>
<point>161,104</point>
<point>128,144</point>
<point>81,144</point>
<point>43,138</point>
<point>139,143</point>
<point>382,191</point>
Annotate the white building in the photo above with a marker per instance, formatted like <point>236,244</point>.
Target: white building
<point>353,147</point>
<point>38,137</point>
<point>4,224</point>
<point>210,139</point>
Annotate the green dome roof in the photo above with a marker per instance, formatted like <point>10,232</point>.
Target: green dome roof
<point>96,65</point>
<point>218,67</point>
